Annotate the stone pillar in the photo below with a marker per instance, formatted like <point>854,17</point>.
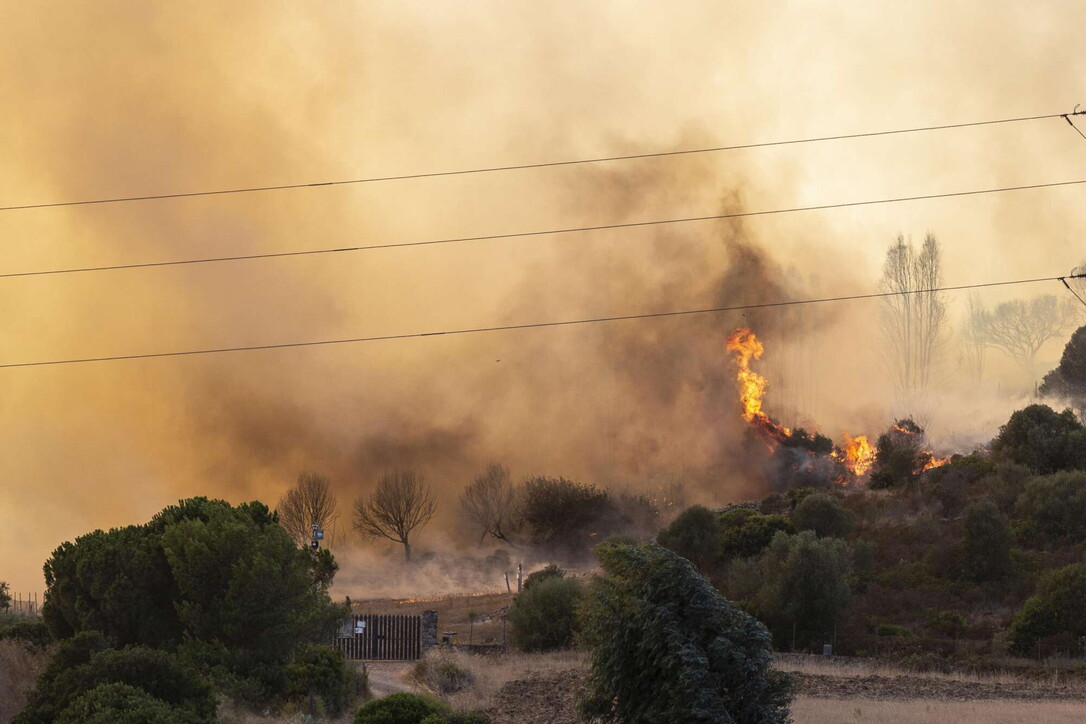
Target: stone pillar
<point>429,630</point>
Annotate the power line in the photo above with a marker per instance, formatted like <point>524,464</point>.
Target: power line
<point>1067,117</point>
<point>542,232</point>
<point>527,166</point>
<point>530,325</point>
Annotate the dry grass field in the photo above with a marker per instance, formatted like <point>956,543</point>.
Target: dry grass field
<point>19,668</point>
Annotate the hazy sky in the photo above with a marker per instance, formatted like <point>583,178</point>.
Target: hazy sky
<point>107,99</point>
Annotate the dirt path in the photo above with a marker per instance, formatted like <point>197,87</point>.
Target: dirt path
<point>388,677</point>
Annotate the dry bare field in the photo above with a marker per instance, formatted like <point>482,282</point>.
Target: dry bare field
<point>809,710</point>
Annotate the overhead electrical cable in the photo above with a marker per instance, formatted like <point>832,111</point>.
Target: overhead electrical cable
<point>541,232</point>
<point>528,166</point>
<point>530,325</point>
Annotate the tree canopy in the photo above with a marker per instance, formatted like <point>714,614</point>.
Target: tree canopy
<point>667,647</point>
<point>226,584</point>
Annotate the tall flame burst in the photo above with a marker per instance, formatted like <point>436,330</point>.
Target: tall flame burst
<point>857,454</point>
<point>746,346</point>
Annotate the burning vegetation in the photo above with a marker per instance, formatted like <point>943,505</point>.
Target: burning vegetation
<point>800,457</point>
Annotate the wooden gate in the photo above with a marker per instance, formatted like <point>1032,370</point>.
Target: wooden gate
<point>381,637</point>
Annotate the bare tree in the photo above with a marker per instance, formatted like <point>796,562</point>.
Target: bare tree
<point>489,503</point>
<point>914,316</point>
<point>973,342</point>
<point>1020,328</point>
<point>309,501</point>
<point>401,503</point>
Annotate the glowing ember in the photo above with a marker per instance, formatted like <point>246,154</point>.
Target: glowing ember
<point>745,345</point>
<point>859,455</point>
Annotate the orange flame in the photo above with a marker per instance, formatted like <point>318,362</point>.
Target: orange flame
<point>934,462</point>
<point>746,347</point>
<point>859,455</point>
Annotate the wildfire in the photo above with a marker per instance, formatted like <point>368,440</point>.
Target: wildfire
<point>752,385</point>
<point>859,455</point>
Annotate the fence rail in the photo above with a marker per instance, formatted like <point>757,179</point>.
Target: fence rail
<point>381,637</point>
<point>25,604</point>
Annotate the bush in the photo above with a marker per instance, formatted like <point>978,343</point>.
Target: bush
<point>803,581</point>
<point>745,533</point>
<point>1042,439</point>
<point>899,455</point>
<point>666,647</point>
<point>694,535</point>
<point>80,668</point>
<point>30,631</point>
<point>824,515</point>
<point>123,704</point>
<point>549,571</point>
<point>565,515</point>
<point>1055,508</point>
<point>401,708</point>
<point>986,542</point>
<point>323,671</point>
<point>442,674</point>
<point>543,617</point>
<point>1056,608</point>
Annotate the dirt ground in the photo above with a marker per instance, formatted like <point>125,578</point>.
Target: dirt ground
<point>856,697</point>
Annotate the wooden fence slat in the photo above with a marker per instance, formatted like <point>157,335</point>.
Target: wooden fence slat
<point>383,637</point>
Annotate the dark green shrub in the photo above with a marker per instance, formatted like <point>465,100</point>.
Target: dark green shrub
<point>401,708</point>
<point>117,703</point>
<point>1056,608</point>
<point>78,669</point>
<point>666,647</point>
<point>745,533</point>
<point>564,515</point>
<point>322,671</point>
<point>1069,377</point>
<point>549,571</point>
<point>1054,506</point>
<point>824,515</point>
<point>694,535</point>
<point>986,542</point>
<point>543,617</point>
<point>1042,439</point>
<point>803,581</point>
<point>31,631</point>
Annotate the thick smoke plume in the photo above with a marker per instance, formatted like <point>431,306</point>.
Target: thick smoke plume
<point>120,98</point>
